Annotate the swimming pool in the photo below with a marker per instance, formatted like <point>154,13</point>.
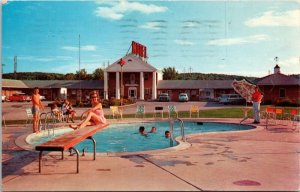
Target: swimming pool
<point>126,138</point>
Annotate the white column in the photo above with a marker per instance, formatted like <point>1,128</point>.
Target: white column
<point>105,85</point>
<point>154,86</point>
<point>142,86</point>
<point>117,85</point>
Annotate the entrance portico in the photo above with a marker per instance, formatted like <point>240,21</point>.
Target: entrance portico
<point>139,79</point>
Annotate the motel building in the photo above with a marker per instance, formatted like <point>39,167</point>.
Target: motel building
<point>133,77</point>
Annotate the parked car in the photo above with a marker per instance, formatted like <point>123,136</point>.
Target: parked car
<point>231,99</point>
<point>164,97</point>
<point>21,97</point>
<point>183,97</point>
<point>3,98</point>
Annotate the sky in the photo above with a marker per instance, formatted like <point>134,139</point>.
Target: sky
<point>226,37</point>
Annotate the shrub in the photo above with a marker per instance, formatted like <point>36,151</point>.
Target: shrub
<point>114,102</point>
<point>288,102</point>
<point>267,102</point>
<point>105,103</point>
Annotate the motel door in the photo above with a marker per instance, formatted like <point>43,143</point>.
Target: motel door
<point>132,92</point>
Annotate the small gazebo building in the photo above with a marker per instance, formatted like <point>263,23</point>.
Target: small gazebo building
<point>138,77</point>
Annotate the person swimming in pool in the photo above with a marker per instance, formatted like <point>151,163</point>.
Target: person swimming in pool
<point>95,115</point>
<point>153,130</point>
<point>167,134</point>
<point>142,131</point>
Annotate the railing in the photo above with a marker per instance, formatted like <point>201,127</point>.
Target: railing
<point>172,121</point>
<point>45,119</point>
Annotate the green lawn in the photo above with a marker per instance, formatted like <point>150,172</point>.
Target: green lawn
<point>211,113</point>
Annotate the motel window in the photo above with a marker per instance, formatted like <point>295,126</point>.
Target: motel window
<point>281,93</point>
<point>132,77</point>
<point>146,76</point>
<point>193,92</point>
<point>45,92</point>
<point>207,93</point>
<point>73,92</point>
<point>147,91</point>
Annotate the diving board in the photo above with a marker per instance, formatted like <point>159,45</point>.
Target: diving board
<point>68,141</point>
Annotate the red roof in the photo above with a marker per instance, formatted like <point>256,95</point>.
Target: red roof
<point>133,64</point>
<point>278,79</point>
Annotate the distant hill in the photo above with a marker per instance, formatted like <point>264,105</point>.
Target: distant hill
<point>181,76</point>
<point>212,76</point>
<point>33,76</point>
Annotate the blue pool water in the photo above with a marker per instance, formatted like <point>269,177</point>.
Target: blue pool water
<point>126,138</point>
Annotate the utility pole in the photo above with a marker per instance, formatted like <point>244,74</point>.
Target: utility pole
<point>79,74</point>
<point>190,72</point>
<point>2,70</point>
<point>15,67</point>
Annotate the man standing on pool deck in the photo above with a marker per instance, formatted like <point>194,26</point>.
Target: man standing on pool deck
<point>36,106</point>
<point>256,99</point>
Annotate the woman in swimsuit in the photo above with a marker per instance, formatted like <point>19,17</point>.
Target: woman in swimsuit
<point>95,115</point>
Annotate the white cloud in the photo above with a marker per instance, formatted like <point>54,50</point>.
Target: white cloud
<point>152,25</point>
<point>290,65</point>
<point>221,66</point>
<point>117,11</point>
<point>270,19</point>
<point>44,58</point>
<point>239,40</point>
<point>183,42</point>
<point>82,48</point>
<point>191,24</point>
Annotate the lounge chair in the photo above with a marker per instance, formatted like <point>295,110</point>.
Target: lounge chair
<point>278,115</point>
<point>293,117</point>
<point>172,110</point>
<point>159,110</point>
<point>116,111</point>
<point>269,114</point>
<point>140,110</point>
<point>29,116</point>
<point>194,109</point>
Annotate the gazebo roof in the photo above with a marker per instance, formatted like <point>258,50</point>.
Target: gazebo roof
<point>133,64</point>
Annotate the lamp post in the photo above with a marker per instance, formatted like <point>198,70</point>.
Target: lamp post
<point>121,63</point>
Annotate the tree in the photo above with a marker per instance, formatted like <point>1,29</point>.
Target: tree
<point>81,75</point>
<point>69,76</point>
<point>170,73</point>
<point>98,74</point>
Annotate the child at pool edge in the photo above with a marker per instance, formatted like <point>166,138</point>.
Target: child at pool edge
<point>142,131</point>
<point>56,112</point>
<point>95,115</point>
<point>167,134</point>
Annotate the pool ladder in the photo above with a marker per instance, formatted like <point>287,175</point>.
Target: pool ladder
<point>45,124</point>
<point>172,122</point>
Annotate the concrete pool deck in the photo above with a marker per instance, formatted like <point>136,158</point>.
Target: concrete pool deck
<point>252,160</point>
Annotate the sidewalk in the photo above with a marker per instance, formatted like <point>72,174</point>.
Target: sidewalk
<point>252,160</point>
